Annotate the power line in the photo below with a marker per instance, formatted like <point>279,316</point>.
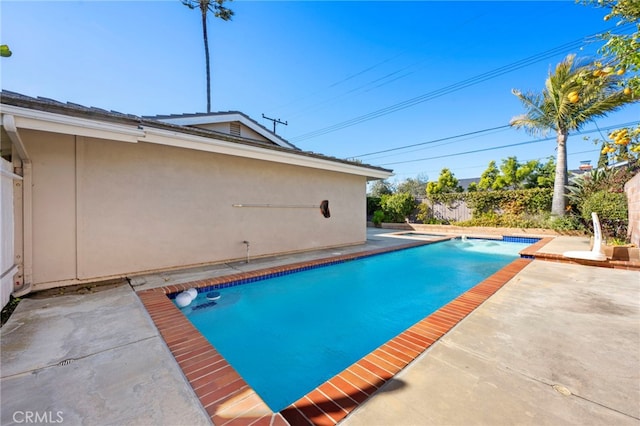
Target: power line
<point>484,165</point>
<point>435,146</point>
<point>437,93</point>
<point>476,132</point>
<point>358,88</point>
<point>447,89</point>
<point>475,151</point>
<point>339,82</point>
<point>431,141</point>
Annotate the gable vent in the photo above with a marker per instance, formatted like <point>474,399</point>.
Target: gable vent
<point>234,128</point>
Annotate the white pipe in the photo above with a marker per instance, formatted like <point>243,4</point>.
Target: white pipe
<point>279,206</point>
<point>247,243</point>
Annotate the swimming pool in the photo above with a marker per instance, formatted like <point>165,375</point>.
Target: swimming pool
<point>287,335</point>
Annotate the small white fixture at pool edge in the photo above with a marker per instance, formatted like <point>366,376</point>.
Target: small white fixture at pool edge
<point>192,292</point>
<point>596,252</point>
<point>183,299</point>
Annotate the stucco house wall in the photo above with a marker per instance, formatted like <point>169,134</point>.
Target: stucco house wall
<point>103,208</point>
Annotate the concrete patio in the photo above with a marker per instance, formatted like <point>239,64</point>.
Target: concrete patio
<point>558,344</point>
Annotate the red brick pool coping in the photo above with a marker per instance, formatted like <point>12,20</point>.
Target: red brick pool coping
<point>229,400</point>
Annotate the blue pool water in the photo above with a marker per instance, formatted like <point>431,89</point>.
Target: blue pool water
<point>287,335</point>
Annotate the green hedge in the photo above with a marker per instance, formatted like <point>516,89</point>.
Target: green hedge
<point>516,202</point>
<point>612,211</point>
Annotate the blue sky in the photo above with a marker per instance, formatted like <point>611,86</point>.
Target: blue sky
<point>349,78</point>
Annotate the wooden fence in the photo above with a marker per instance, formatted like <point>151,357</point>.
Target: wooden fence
<point>455,211</point>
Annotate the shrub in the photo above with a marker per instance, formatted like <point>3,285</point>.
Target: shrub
<point>397,207</point>
<point>583,186</point>
<point>612,211</point>
<point>520,201</point>
<point>608,205</point>
<point>423,214</point>
<point>507,220</point>
<point>378,217</point>
<point>570,222</point>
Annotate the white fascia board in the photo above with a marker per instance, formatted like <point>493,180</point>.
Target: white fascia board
<point>58,123</point>
<point>182,140</point>
<point>202,119</point>
<point>225,118</point>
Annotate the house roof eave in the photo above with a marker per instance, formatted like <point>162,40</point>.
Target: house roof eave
<point>222,117</point>
<point>48,115</point>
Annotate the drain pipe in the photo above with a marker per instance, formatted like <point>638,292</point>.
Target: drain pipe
<point>247,243</point>
<point>24,262</point>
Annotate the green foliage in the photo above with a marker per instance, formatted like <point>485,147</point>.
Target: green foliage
<point>489,176</point>
<point>565,224</point>
<point>622,49</point>
<point>373,204</point>
<point>423,214</point>
<point>378,217</point>
<point>524,208</point>
<point>380,188</point>
<point>506,220</point>
<point>612,211</point>
<point>576,93</point>
<point>414,186</point>
<point>449,198</point>
<point>569,222</point>
<point>515,175</point>
<point>447,182</point>
<point>622,53</point>
<point>5,52</point>
<point>620,145</point>
<point>213,6</point>
<point>616,241</point>
<point>603,158</point>
<point>531,201</point>
<point>397,207</point>
<point>608,205</point>
<point>542,175</point>
<point>509,178</point>
<point>583,186</point>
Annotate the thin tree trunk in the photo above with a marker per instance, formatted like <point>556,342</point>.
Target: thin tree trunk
<point>559,202</point>
<point>203,8</point>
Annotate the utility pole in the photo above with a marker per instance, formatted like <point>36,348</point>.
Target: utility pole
<point>275,121</point>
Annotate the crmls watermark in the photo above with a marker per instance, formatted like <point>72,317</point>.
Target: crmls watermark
<point>46,417</point>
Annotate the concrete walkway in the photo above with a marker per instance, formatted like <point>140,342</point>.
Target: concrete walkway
<point>94,359</point>
<point>556,345</point>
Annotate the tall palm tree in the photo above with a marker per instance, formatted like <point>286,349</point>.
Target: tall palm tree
<point>219,11</point>
<point>576,94</point>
